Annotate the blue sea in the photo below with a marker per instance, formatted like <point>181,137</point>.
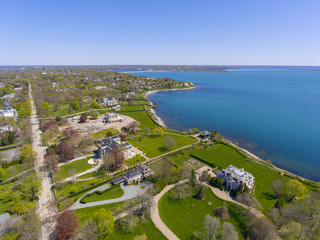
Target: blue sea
<point>273,112</point>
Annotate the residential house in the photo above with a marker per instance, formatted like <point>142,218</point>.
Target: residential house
<point>129,95</point>
<point>116,108</point>
<point>113,117</point>
<point>133,176</point>
<point>6,128</point>
<point>233,176</point>
<point>109,102</point>
<point>9,112</point>
<point>204,134</point>
<point>107,144</point>
<point>9,95</point>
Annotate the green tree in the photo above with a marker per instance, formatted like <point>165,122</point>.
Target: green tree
<point>105,222</point>
<point>28,154</point>
<point>95,104</point>
<point>296,189</point>
<point>281,202</point>
<point>200,194</point>
<point>45,108</point>
<point>193,179</point>
<point>31,186</point>
<point>2,174</point>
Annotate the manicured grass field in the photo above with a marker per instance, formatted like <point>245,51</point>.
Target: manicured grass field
<point>153,147</point>
<point>103,133</point>
<point>133,161</point>
<point>86,213</point>
<point>69,187</point>
<point>141,228</point>
<point>115,192</point>
<point>222,156</point>
<point>142,117</point>
<point>92,174</point>
<point>131,108</point>
<point>75,167</point>
<point>184,217</point>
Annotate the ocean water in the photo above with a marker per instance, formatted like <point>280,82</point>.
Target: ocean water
<point>273,113</point>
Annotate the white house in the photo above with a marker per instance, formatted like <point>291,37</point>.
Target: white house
<point>113,117</point>
<point>9,112</point>
<point>233,176</point>
<point>6,128</point>
<point>10,95</point>
<point>109,102</point>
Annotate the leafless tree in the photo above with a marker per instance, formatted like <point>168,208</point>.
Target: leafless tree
<point>211,227</point>
<point>277,187</point>
<point>228,232</point>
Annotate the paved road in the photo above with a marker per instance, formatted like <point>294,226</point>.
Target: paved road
<point>155,216</point>
<point>130,192</point>
<point>46,210</point>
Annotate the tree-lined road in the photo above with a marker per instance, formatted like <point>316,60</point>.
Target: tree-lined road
<point>46,208</point>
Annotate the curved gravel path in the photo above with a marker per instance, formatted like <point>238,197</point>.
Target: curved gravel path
<point>155,216</point>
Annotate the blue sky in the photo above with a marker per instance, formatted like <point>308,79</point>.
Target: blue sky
<point>224,32</point>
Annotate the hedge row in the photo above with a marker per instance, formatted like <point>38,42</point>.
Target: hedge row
<point>96,192</point>
<point>88,189</point>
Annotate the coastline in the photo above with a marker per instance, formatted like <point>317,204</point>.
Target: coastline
<point>158,119</point>
<point>254,158</point>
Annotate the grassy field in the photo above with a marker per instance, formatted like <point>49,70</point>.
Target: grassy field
<point>153,147</point>
<point>67,188</point>
<point>86,213</point>
<point>131,108</point>
<point>75,167</point>
<point>64,110</point>
<point>147,228</point>
<point>184,217</point>
<point>103,133</point>
<point>16,169</point>
<point>133,161</point>
<point>142,117</point>
<point>114,192</point>
<point>222,156</point>
<point>92,174</point>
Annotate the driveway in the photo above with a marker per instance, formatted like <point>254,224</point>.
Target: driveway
<point>130,192</point>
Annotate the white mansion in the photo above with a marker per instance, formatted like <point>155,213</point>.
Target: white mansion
<point>233,176</point>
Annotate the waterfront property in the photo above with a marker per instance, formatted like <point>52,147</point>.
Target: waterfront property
<point>234,176</point>
<point>133,176</point>
<point>204,134</point>
<point>107,144</point>
<point>113,117</point>
<point>109,102</point>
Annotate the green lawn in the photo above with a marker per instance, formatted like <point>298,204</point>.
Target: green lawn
<point>141,228</point>
<point>16,169</point>
<point>103,133</point>
<point>113,192</point>
<point>92,174</point>
<point>131,108</point>
<point>64,110</point>
<point>142,117</point>
<point>133,161</point>
<point>86,213</point>
<point>75,167</point>
<point>184,217</point>
<point>153,147</point>
<point>222,156</point>
<point>67,188</point>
